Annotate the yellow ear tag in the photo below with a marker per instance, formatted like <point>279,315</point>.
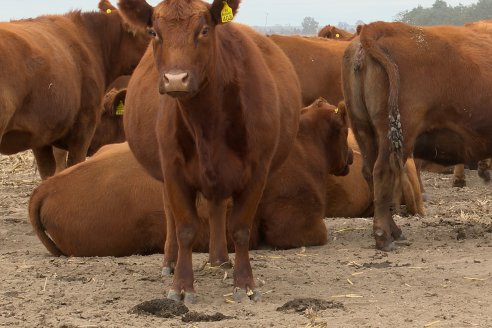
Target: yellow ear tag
<point>108,11</point>
<point>120,109</point>
<point>337,35</point>
<point>226,13</point>
<point>336,110</point>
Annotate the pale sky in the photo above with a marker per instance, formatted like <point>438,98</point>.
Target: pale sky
<point>252,12</point>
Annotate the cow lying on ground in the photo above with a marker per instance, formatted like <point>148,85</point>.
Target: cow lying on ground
<point>105,206</point>
<point>110,127</point>
<point>130,219</point>
<point>227,117</point>
<point>55,70</point>
<point>398,88</point>
<point>317,63</point>
<point>333,32</point>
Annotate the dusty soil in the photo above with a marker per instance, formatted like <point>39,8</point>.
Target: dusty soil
<point>440,277</point>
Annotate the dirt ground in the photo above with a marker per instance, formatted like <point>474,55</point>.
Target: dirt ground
<point>440,277</point>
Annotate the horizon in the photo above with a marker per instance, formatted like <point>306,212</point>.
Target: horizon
<point>252,12</point>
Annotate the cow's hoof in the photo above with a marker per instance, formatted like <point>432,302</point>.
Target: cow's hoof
<point>189,297</point>
<point>383,242</point>
<point>221,264</point>
<point>167,271</point>
<point>485,175</point>
<point>389,247</point>
<point>174,295</point>
<point>401,237</point>
<point>255,296</point>
<point>459,183</point>
<point>241,295</point>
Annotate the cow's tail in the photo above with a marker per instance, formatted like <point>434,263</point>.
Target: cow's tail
<point>35,205</point>
<point>368,39</point>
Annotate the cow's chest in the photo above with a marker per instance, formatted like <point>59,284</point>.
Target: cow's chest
<point>216,169</point>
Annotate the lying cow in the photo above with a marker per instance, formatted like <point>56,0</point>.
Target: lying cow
<point>130,219</point>
<point>398,89</point>
<point>55,70</point>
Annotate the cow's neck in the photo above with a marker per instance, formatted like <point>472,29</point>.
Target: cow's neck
<point>209,112</point>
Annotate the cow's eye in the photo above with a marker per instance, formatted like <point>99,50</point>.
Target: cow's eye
<point>151,32</point>
<point>205,30</point>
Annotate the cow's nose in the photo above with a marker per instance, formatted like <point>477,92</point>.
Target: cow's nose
<point>175,82</point>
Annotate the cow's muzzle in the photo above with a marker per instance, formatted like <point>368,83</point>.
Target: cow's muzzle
<point>175,83</point>
<point>346,168</point>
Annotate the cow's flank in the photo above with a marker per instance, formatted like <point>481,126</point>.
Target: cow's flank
<point>55,70</point>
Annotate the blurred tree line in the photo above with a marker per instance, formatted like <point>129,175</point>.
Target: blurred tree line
<point>443,14</point>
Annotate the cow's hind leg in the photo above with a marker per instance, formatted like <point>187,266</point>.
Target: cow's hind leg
<point>218,255</point>
<point>386,177</point>
<point>60,159</point>
<point>81,136</point>
<point>483,170</point>
<point>45,161</point>
<point>459,176</point>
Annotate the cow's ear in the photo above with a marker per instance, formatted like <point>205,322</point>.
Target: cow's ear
<point>223,11</point>
<point>136,12</point>
<point>106,7</point>
<point>341,110</point>
<point>119,103</point>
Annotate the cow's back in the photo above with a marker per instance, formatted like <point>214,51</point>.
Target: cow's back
<point>317,62</point>
<point>123,216</point>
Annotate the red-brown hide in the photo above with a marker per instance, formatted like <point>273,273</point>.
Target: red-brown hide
<point>110,127</point>
<point>55,70</point>
<point>227,115</point>
<point>419,81</point>
<point>317,63</point>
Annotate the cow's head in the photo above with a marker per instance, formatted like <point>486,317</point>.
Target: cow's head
<point>184,39</point>
<point>127,42</point>
<point>110,127</point>
<point>330,124</point>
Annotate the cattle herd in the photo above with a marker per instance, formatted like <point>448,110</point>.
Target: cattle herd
<point>234,139</point>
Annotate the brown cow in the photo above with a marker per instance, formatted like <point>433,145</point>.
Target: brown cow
<point>442,91</point>
<point>110,127</point>
<point>317,62</point>
<point>129,219</point>
<point>293,205</point>
<point>227,116</point>
<point>105,206</point>
<point>55,70</point>
<point>333,32</point>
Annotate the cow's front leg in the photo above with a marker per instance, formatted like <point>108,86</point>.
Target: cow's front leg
<point>180,199</point>
<point>171,243</point>
<point>45,161</point>
<point>240,225</point>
